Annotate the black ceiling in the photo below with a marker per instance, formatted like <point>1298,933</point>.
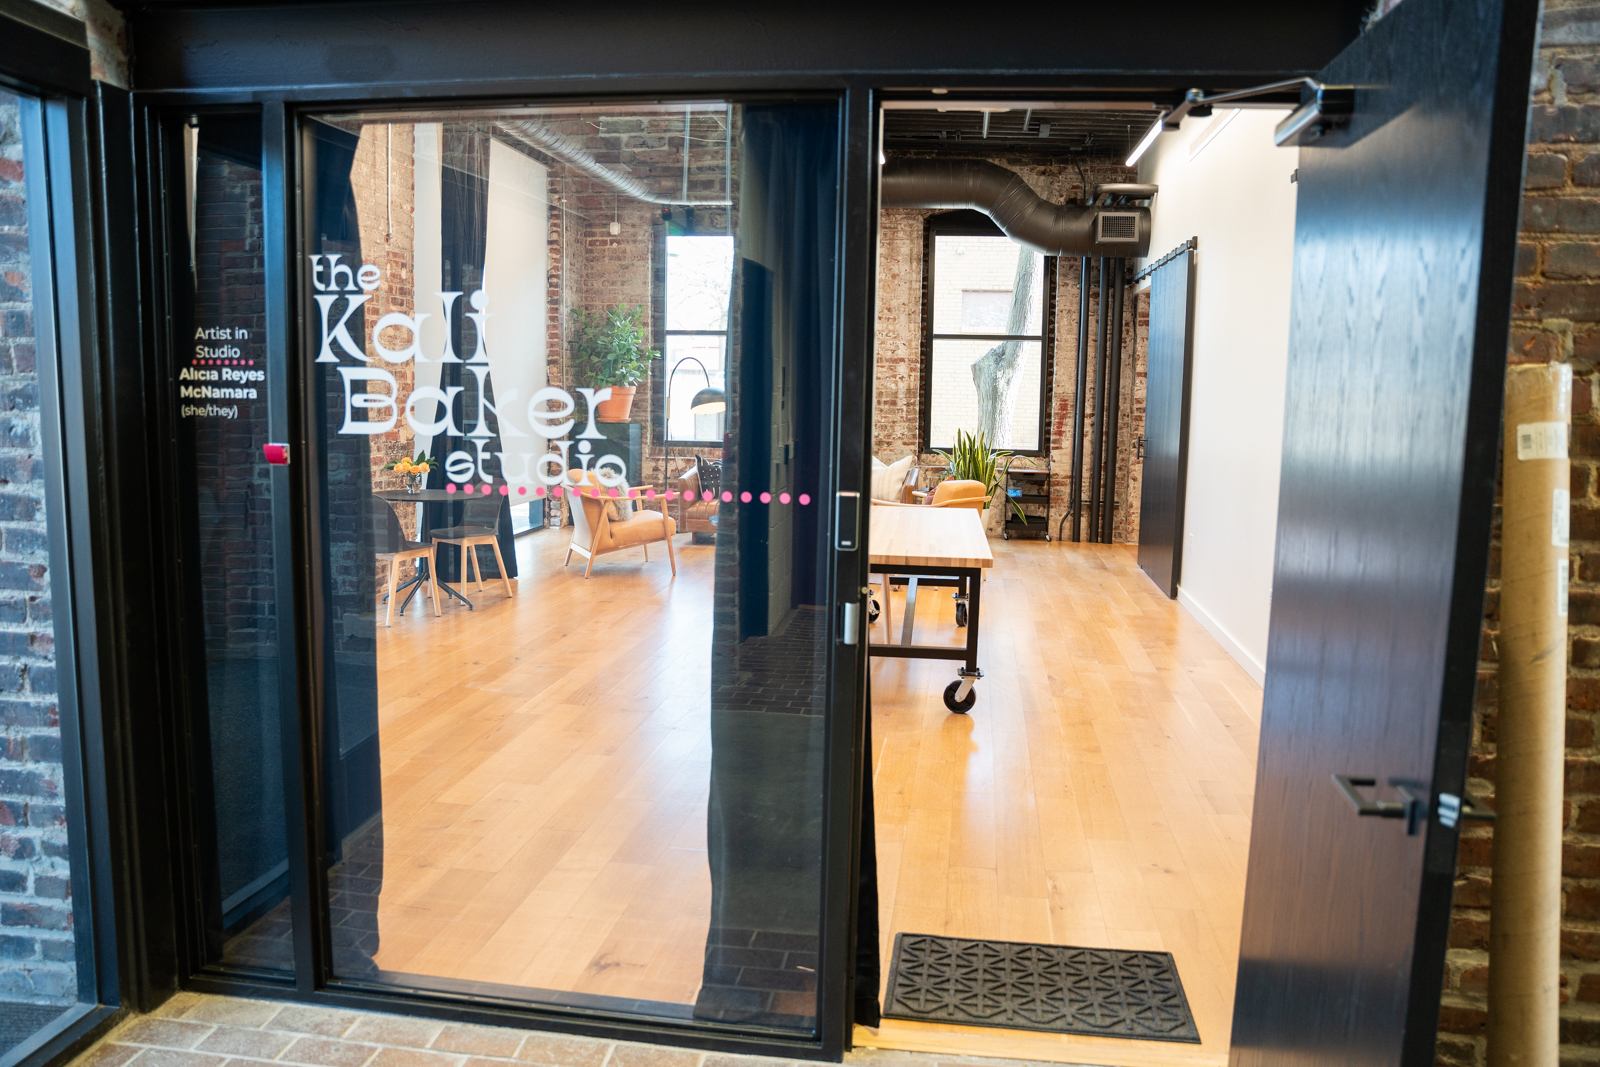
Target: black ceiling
<point>1076,133</point>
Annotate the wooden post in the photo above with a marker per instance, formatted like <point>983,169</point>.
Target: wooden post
<point>1525,905</point>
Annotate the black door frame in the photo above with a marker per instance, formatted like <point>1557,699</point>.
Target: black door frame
<point>83,282</point>
<point>280,84</point>
<point>296,548</point>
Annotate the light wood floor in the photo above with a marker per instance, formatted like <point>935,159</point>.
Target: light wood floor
<point>546,761</point>
<point>545,767</point>
<point>1099,793</point>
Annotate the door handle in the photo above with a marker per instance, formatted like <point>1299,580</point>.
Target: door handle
<point>852,623</point>
<point>1454,809</point>
<point>1413,809</point>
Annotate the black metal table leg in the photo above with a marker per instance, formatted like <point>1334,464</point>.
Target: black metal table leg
<point>974,582</point>
<point>416,584</point>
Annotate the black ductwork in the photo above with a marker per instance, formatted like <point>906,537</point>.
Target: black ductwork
<point>1113,231</point>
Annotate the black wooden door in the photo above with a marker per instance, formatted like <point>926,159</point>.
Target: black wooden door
<point>1166,417</point>
<point>1404,244</point>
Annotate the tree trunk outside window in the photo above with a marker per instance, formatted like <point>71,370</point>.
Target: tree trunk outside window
<point>995,372</point>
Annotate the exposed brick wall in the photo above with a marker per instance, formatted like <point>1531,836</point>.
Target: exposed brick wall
<point>36,929</point>
<point>108,37</point>
<point>1556,316</point>
<point>382,180</point>
<point>232,504</point>
<point>897,396</point>
<point>592,268</point>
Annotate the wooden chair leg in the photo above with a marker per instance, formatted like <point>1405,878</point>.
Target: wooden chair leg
<point>477,575</point>
<point>672,557</point>
<point>594,546</point>
<point>433,580</point>
<point>498,562</point>
<point>646,548</point>
<point>394,569</point>
<point>569,555</point>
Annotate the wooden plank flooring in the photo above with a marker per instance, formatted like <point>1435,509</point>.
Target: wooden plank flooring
<point>1099,793</point>
<point>545,768</point>
<point>546,761</point>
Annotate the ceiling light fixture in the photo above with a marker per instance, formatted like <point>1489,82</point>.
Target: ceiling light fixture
<point>1321,108</point>
<point>1148,139</point>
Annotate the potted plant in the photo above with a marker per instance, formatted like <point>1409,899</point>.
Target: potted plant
<point>609,349</point>
<point>414,470</point>
<point>973,460</point>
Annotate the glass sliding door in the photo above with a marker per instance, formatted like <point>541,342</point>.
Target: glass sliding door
<point>226,553</point>
<point>582,766</point>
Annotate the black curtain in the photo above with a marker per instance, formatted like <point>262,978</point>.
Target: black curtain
<point>464,238</point>
<point>355,798</point>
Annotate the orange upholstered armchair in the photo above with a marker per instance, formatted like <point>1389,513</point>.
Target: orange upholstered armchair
<point>955,493</point>
<point>597,529</point>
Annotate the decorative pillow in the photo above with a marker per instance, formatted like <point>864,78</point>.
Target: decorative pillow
<point>886,481</point>
<point>710,476</point>
<point>620,509</point>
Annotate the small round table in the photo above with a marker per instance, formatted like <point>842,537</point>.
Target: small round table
<point>421,496</point>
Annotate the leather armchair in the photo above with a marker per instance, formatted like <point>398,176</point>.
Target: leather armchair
<point>694,515</point>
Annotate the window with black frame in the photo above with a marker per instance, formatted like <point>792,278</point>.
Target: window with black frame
<point>47,959</point>
<point>986,347</point>
<point>699,287</point>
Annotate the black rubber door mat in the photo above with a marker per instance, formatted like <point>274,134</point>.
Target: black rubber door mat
<point>1016,985</point>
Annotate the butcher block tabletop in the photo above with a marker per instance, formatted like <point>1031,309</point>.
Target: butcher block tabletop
<point>928,537</point>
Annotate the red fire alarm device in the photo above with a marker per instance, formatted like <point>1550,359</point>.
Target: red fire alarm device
<point>277,454</point>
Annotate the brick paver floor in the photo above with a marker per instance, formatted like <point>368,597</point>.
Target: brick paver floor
<point>199,1030</point>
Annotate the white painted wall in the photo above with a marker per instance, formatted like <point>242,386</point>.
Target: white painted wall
<point>1222,180</point>
<point>516,277</point>
<point>428,259</point>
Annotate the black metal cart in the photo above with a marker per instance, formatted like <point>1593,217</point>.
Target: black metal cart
<point>1029,489</point>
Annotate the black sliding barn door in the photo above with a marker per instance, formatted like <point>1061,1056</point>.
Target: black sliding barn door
<point>1404,244</point>
<point>1166,417</point>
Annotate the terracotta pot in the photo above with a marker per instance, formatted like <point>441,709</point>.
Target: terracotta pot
<point>616,409</point>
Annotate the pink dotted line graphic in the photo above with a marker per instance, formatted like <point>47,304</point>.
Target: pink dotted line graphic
<point>745,497</point>
<point>234,362</point>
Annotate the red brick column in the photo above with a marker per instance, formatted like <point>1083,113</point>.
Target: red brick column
<point>1556,313</point>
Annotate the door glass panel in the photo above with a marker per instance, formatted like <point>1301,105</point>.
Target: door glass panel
<point>43,905</point>
<point>226,506</point>
<point>583,766</point>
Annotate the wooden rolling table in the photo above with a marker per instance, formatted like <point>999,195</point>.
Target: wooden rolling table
<point>943,546</point>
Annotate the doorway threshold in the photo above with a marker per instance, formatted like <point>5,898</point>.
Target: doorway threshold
<point>946,1040</point>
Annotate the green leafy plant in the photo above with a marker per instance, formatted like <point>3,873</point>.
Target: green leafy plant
<point>609,347</point>
<point>973,460</point>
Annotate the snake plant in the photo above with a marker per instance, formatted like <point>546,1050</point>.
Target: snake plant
<point>973,460</point>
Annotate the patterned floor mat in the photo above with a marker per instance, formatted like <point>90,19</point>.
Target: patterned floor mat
<point>1021,986</point>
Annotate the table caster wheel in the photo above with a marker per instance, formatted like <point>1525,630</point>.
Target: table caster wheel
<point>959,707</point>
<point>874,609</point>
<point>961,613</point>
<point>1005,535</point>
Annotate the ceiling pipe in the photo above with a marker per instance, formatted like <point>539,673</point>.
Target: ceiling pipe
<point>547,140</point>
<point>1123,191</point>
<point>1024,216</point>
